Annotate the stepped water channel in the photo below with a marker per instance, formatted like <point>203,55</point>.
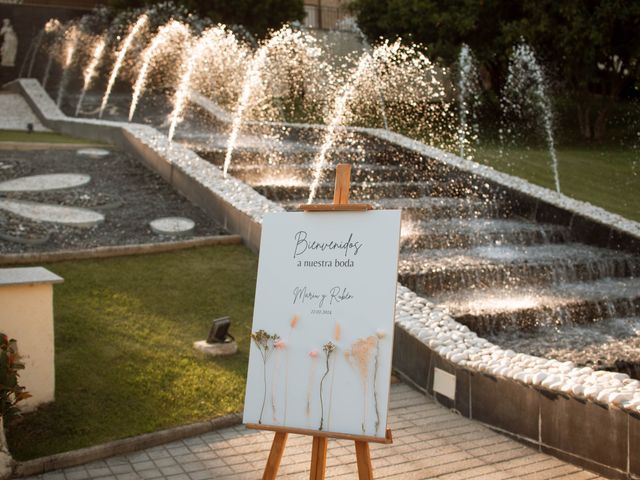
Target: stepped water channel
<point>531,287</point>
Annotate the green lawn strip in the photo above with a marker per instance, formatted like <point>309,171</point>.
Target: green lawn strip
<point>39,137</point>
<point>125,364</point>
<point>604,177</point>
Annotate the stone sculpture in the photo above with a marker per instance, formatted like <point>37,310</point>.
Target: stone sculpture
<point>9,44</point>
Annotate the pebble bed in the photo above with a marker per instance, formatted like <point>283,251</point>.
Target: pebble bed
<point>431,324</point>
<point>73,202</point>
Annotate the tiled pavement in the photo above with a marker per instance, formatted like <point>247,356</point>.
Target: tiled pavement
<point>429,442</point>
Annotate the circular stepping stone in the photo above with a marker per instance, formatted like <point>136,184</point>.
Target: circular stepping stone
<point>77,217</point>
<point>172,225</point>
<point>94,152</point>
<point>37,183</point>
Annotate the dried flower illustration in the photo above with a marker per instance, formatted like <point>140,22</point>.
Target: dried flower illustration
<point>313,355</point>
<point>278,345</point>
<point>380,334</point>
<point>293,324</point>
<point>328,349</point>
<point>337,332</point>
<point>358,357</point>
<point>266,344</point>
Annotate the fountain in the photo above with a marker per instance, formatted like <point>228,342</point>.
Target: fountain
<point>468,97</point>
<point>293,43</point>
<point>167,37</point>
<point>526,88</point>
<point>214,39</point>
<point>52,29</point>
<point>90,70</point>
<point>70,44</point>
<point>474,243</point>
<point>506,260</point>
<point>124,48</point>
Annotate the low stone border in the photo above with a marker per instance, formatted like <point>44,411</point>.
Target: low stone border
<point>117,251</point>
<point>21,146</point>
<point>540,401</point>
<point>41,465</point>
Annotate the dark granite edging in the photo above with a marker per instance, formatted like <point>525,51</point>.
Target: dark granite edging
<point>117,250</point>
<point>41,465</point>
<point>596,437</point>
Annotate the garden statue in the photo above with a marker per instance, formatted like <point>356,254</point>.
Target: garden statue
<point>9,44</point>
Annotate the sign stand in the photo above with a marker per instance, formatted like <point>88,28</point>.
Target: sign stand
<point>320,439</point>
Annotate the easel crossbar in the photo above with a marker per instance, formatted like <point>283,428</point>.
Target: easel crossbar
<point>387,439</point>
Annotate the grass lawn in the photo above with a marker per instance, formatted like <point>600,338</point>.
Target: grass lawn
<point>38,137</point>
<point>605,176</point>
<point>125,364</point>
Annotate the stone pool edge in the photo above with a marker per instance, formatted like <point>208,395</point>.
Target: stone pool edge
<point>541,402</point>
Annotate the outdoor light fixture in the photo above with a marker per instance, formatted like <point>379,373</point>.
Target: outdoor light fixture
<point>29,127</point>
<point>219,332</point>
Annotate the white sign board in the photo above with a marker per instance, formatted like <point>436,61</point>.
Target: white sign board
<point>322,333</point>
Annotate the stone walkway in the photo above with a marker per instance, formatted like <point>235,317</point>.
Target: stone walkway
<point>16,113</point>
<point>429,442</point>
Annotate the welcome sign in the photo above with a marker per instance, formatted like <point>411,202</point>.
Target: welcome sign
<point>322,334</point>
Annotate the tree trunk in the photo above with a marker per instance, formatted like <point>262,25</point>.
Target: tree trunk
<point>600,123</point>
<point>584,120</point>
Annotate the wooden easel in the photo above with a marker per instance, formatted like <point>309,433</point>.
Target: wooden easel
<point>320,439</point>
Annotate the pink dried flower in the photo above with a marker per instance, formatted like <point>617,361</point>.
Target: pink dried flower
<point>294,320</point>
<point>313,353</point>
<point>337,332</point>
<point>280,345</point>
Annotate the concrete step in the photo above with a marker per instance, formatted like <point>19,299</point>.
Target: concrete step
<point>360,191</point>
<point>458,233</point>
<point>547,307</point>
<point>432,272</point>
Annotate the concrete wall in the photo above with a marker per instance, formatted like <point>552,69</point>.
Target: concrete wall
<point>26,296</point>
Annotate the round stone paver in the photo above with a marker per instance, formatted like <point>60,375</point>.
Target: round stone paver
<point>172,225</point>
<point>77,217</point>
<point>51,181</point>
<point>94,152</point>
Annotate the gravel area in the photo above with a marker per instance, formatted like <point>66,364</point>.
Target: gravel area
<point>121,188</point>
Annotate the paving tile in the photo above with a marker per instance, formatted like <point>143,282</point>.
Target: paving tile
<point>119,469</point>
<point>93,473</point>
<point>172,470</point>
<point>128,476</point>
<point>138,457</point>
<point>150,474</point>
<point>165,462</point>
<point>79,474</point>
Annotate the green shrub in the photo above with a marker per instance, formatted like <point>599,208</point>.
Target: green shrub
<point>10,391</point>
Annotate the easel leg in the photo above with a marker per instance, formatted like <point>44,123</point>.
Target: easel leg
<point>318,458</point>
<point>277,449</point>
<point>363,457</point>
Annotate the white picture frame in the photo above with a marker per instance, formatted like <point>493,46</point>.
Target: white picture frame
<point>322,334</point>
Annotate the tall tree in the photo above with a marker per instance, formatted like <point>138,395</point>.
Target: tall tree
<point>257,16</point>
<point>591,45</point>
